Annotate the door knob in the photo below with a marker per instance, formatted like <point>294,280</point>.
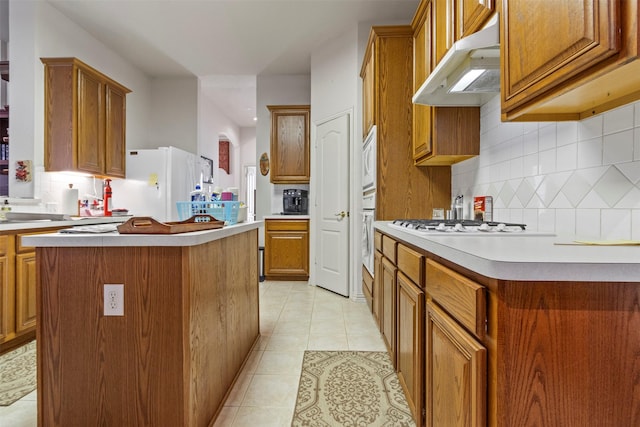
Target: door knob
<point>341,214</point>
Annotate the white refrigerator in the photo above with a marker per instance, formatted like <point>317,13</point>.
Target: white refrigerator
<point>156,179</point>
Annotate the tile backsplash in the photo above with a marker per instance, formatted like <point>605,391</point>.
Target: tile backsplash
<point>572,178</point>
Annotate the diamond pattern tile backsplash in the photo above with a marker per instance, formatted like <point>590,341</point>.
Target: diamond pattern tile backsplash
<point>572,178</point>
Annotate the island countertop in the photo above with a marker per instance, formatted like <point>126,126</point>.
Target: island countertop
<point>114,239</point>
<point>528,257</point>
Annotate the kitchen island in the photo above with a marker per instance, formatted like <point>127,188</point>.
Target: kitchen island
<point>506,330</point>
<point>190,321</point>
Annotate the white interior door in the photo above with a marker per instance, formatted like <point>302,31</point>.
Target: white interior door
<point>332,205</point>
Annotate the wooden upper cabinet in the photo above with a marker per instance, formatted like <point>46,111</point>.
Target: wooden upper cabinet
<point>568,60</point>
<point>368,98</point>
<point>290,147</point>
<point>441,135</point>
<point>471,16</point>
<point>422,114</point>
<point>85,115</point>
<point>444,32</point>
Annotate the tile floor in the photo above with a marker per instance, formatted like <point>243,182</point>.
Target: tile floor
<point>293,317</point>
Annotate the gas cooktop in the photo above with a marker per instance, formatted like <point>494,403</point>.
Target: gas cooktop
<point>464,226</point>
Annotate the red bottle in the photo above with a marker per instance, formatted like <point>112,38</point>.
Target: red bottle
<point>107,198</point>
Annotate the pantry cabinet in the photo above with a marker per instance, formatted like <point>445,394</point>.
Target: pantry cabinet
<point>290,147</point>
<point>403,190</point>
<point>589,66</point>
<point>441,135</point>
<point>286,249</point>
<point>85,115</point>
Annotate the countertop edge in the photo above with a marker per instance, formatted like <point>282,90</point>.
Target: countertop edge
<point>531,258</point>
<point>118,240</point>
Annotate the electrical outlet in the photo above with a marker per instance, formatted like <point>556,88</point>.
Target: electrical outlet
<point>114,299</point>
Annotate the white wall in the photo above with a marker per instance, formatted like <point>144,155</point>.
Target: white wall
<point>173,114</point>
<point>39,30</point>
<point>574,178</point>
<point>247,155</point>
<point>213,123</point>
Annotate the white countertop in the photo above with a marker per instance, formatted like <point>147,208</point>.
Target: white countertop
<point>528,257</point>
<point>34,225</point>
<point>114,239</point>
<point>282,216</point>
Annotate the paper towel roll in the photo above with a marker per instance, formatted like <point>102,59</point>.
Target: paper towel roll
<point>69,204</point>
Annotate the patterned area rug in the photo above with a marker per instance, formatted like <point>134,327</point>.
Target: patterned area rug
<point>17,373</point>
<point>350,388</point>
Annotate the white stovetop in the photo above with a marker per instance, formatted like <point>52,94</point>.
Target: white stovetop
<point>528,256</point>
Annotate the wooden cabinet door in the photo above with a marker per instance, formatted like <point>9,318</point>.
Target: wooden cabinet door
<point>368,97</point>
<point>90,122</point>
<point>377,289</point>
<point>388,307</point>
<point>290,148</point>
<point>456,373</point>
<point>286,249</point>
<point>6,301</point>
<point>410,344</point>
<point>25,292</point>
<point>547,45</point>
<point>471,15</point>
<point>422,114</point>
<point>443,33</point>
<point>115,147</point>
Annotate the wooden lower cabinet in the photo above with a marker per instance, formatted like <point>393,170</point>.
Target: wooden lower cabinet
<point>17,289</point>
<point>367,287</point>
<point>503,353</point>
<point>376,308</point>
<point>286,249</point>
<point>7,292</point>
<point>388,307</point>
<point>25,292</point>
<point>456,373</point>
<point>410,343</point>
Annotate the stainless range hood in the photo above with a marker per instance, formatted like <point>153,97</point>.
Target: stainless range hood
<point>468,74</point>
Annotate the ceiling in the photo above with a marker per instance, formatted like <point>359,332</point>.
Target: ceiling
<point>226,43</point>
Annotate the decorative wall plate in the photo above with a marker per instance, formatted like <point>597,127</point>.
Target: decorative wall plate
<point>264,164</point>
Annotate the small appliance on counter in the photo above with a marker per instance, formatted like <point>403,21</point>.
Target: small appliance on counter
<point>294,202</point>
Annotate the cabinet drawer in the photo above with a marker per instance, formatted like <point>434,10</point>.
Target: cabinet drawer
<point>377,239</point>
<point>463,298</point>
<point>389,248</point>
<point>411,264</point>
<point>20,248</point>
<point>288,225</point>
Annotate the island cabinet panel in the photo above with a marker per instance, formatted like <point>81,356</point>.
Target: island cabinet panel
<point>190,321</point>
<point>569,354</point>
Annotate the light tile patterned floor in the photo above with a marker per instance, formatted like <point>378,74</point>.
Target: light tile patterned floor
<point>293,317</point>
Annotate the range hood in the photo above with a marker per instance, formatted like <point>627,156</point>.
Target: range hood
<point>468,74</point>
